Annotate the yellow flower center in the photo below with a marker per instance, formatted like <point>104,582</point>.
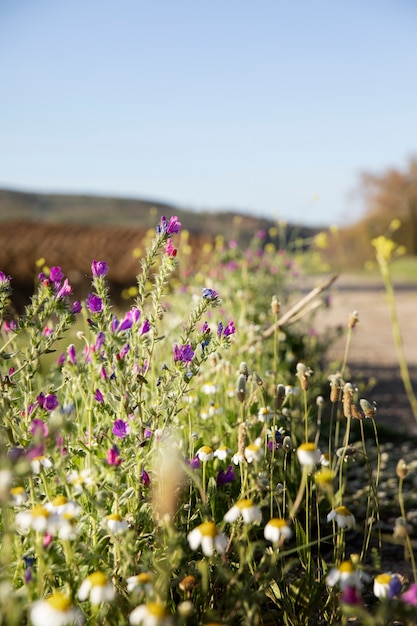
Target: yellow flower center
<point>17,491</point>
<point>346,567</point>
<point>324,476</point>
<point>208,529</point>
<point>244,504</point>
<point>144,578</point>
<point>206,450</point>
<point>277,522</point>
<point>39,511</point>
<point>343,510</point>
<point>156,610</point>
<point>309,446</point>
<point>59,501</point>
<point>383,579</point>
<point>115,517</point>
<point>97,579</point>
<point>59,602</point>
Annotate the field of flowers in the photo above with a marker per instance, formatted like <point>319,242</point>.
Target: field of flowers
<point>186,460</point>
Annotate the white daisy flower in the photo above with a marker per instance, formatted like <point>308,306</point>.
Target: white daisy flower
<point>151,614</point>
<point>210,388</point>
<point>62,506</point>
<point>205,453</point>
<point>38,518</point>
<point>18,495</point>
<point>345,576</point>
<point>116,523</point>
<point>56,610</point>
<point>80,480</point>
<point>277,530</point>
<point>253,452</point>
<point>40,462</point>
<point>141,582</point>
<point>209,537</point>
<point>222,453</point>
<point>344,518</point>
<point>249,512</point>
<point>308,454</point>
<point>384,587</point>
<point>265,414</point>
<point>97,588</point>
<point>238,458</point>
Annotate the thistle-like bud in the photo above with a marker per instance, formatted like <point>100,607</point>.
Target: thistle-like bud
<point>275,306</point>
<point>353,319</point>
<point>241,388</point>
<point>335,387</point>
<point>347,400</point>
<point>402,469</point>
<point>259,381</point>
<point>280,396</point>
<point>287,443</point>
<point>243,369</point>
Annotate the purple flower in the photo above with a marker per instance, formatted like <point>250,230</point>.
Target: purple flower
<point>129,319</point>
<point>64,290</point>
<point>146,327</point>
<point>120,429</point>
<point>224,477</point>
<point>38,427</point>
<point>98,396</point>
<point>410,596</point>
<point>209,294</point>
<point>99,268</point>
<point>76,307</point>
<point>71,354</point>
<point>183,353</point>
<point>94,303</point>
<point>4,278</point>
<point>113,456</point>
<point>169,248</point>
<point>169,228</point>
<point>229,330</point>
<point>195,463</point>
<point>219,329</point>
<point>350,595</point>
<point>148,433</point>
<point>49,402</point>
<point>144,477</point>
<point>100,339</point>
<point>56,274</point>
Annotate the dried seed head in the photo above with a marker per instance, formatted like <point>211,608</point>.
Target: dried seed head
<point>280,396</point>
<point>335,387</point>
<point>188,584</point>
<point>241,388</point>
<point>356,413</point>
<point>347,399</point>
<point>401,528</point>
<point>368,408</point>
<point>402,469</point>
<point>348,453</point>
<point>353,319</point>
<point>275,306</point>
<point>241,440</point>
<point>303,374</point>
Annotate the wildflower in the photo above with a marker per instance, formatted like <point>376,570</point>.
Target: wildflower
<point>170,228</point>
<point>116,524</point>
<point>303,374</point>
<point>401,469</point>
<point>410,596</point>
<point>277,530</point>
<point>249,511</point>
<point>37,518</point>
<point>209,294</point>
<point>169,249</point>
<point>55,610</point>
<point>253,452</point>
<point>76,307</point>
<point>99,268</point>
<point>94,303</point>
<point>184,353</point>
<point>224,477</point>
<point>308,454</point>
<point>351,596</point>
<point>221,453</point>
<point>241,388</point>
<point>209,388</point>
<point>79,480</point>
<point>113,456</point>
<point>60,505</point>
<point>209,537</point>
<point>387,585</point>
<point>144,478</point>
<point>64,290</point>
<point>97,588</point>
<point>344,518</point>
<point>265,414</point>
<point>151,614</point>
<point>347,453</point>
<point>121,429</point>
<point>229,330</point>
<point>368,408</point>
<point>205,453</point>
<point>40,462</point>
<point>353,319</point>
<point>188,584</point>
<point>18,495</point>
<point>98,396</point>
<point>56,274</point>
<point>346,575</point>
<point>195,463</point>
<point>238,458</point>
<point>140,582</point>
<point>146,327</point>
<point>39,428</point>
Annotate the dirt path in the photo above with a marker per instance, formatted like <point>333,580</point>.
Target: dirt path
<point>372,355</point>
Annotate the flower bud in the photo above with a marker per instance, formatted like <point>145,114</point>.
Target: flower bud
<point>353,319</point>
<point>402,469</point>
<point>280,397</point>
<point>275,306</point>
<point>241,388</point>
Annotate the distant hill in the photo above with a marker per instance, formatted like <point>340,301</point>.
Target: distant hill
<point>144,214</point>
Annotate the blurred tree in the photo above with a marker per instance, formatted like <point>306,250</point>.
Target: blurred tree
<point>393,194</point>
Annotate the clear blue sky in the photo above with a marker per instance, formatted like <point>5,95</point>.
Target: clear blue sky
<point>265,106</point>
